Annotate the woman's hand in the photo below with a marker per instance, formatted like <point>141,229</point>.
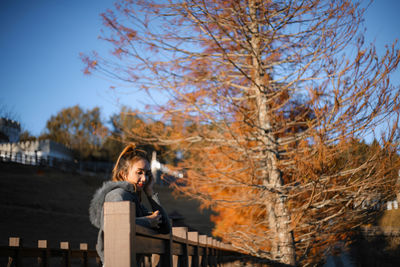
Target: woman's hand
<point>154,219</point>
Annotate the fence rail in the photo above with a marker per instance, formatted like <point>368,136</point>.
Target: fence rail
<point>127,244</point>
<point>42,254</point>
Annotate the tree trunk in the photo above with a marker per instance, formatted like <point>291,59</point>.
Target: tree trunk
<point>282,245</point>
<point>398,188</point>
<point>279,223</point>
<point>283,248</point>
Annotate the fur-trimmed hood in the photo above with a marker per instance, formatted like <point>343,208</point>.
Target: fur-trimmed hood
<point>96,204</point>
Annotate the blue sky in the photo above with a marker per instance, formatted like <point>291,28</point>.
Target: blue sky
<point>40,68</point>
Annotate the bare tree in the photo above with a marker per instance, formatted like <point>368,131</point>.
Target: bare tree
<point>8,112</point>
<point>265,99</point>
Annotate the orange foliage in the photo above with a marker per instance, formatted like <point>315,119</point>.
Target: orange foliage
<point>267,114</point>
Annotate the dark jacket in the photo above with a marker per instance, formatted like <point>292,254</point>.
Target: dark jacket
<point>122,191</point>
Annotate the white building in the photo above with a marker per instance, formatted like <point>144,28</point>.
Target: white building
<point>31,151</point>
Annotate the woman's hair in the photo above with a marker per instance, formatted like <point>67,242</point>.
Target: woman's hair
<point>129,155</point>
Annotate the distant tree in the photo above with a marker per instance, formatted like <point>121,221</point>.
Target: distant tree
<point>8,112</point>
<point>125,120</point>
<point>115,140</point>
<point>128,122</point>
<point>26,136</point>
<point>80,130</point>
<point>265,100</point>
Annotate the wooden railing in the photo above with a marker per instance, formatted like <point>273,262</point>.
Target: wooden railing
<point>17,255</point>
<point>128,244</point>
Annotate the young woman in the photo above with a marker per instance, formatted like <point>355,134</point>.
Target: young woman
<point>130,177</point>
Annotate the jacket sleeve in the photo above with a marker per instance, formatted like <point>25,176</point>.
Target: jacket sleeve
<point>165,226</point>
<point>122,195</point>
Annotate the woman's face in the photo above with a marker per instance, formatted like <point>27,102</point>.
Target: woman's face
<point>139,173</point>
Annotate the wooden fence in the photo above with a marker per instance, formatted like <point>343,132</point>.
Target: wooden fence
<point>127,244</point>
<point>17,255</point>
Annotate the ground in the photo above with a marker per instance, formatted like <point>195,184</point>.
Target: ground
<point>47,204</point>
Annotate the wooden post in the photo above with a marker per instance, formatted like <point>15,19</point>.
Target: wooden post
<point>169,257</point>
<point>182,232</point>
<point>66,259</point>
<point>155,259</point>
<point>43,260</point>
<point>204,258</point>
<point>146,261</point>
<point>194,261</point>
<point>216,252</point>
<point>210,251</point>
<point>16,259</point>
<point>166,258</point>
<point>119,234</point>
<point>15,242</point>
<point>84,254</point>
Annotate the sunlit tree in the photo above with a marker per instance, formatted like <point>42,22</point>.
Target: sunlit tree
<point>78,129</point>
<point>264,100</point>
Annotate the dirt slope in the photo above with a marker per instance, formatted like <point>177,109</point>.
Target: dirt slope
<point>43,203</point>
